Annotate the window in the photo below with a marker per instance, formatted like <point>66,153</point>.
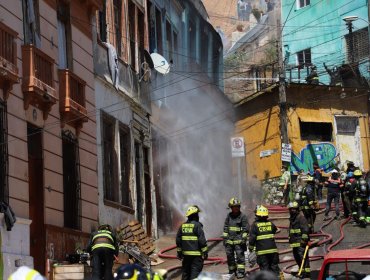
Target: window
<point>71,181</point>
<point>304,58</point>
<point>303,3</point>
<point>316,131</point>
<point>103,24</point>
<point>4,189</point>
<point>169,40</point>
<point>175,48</point>
<point>192,39</point>
<point>360,48</point>
<point>31,22</point>
<point>64,36</point>
<point>346,125</point>
<point>158,24</point>
<point>141,36</point>
<point>117,26</point>
<point>116,161</point>
<point>131,26</point>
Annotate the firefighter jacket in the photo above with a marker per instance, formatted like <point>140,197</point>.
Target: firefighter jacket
<point>103,239</point>
<point>236,229</point>
<point>298,230</point>
<point>262,237</point>
<point>359,193</point>
<point>307,197</point>
<point>190,239</point>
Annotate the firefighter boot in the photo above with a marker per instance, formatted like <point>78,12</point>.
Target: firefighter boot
<point>240,274</point>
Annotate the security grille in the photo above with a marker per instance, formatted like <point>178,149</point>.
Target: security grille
<point>71,181</point>
<point>360,45</point>
<point>4,187</point>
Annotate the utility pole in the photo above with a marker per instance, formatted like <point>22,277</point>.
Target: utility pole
<point>282,89</point>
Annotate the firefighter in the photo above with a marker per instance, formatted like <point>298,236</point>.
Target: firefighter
<point>25,272</point>
<point>360,191</point>
<point>313,77</point>
<point>299,238</point>
<point>317,175</point>
<point>262,241</point>
<point>307,202</point>
<point>135,272</point>
<point>285,182</point>
<point>236,229</point>
<point>191,244</point>
<point>102,247</point>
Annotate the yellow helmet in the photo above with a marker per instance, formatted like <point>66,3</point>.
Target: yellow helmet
<point>357,172</point>
<point>309,179</point>
<point>261,211</point>
<point>192,210</point>
<point>293,204</point>
<point>234,202</point>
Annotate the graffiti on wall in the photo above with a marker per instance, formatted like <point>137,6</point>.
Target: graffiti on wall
<point>322,153</point>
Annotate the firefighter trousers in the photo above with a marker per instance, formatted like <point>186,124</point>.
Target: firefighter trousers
<point>361,212</point>
<point>298,253</point>
<point>310,216</point>
<point>238,250</point>
<point>269,262</point>
<point>102,263</point>
<point>346,204</point>
<point>191,267</point>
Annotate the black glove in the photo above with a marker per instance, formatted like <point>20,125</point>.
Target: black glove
<point>304,243</point>
<point>180,255</point>
<point>205,255</point>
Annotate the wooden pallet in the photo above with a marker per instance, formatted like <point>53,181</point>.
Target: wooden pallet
<point>134,232</point>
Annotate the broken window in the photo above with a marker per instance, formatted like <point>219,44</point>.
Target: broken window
<point>360,48</point>
<point>31,21</point>
<point>71,181</point>
<point>304,58</point>
<point>4,189</point>
<point>316,131</point>
<point>64,36</point>
<point>116,161</point>
<point>303,3</point>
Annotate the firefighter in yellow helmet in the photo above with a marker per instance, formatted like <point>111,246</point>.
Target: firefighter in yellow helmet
<point>262,241</point>
<point>299,238</point>
<point>236,229</point>
<point>102,247</point>
<point>307,202</point>
<point>361,193</point>
<point>191,244</point>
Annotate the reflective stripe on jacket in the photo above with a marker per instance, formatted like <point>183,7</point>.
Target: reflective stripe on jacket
<point>103,239</point>
<point>298,230</point>
<point>190,239</point>
<point>262,237</point>
<point>236,229</point>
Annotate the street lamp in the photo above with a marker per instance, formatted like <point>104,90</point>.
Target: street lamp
<point>349,20</point>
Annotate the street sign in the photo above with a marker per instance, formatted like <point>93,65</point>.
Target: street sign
<point>286,152</point>
<point>237,147</point>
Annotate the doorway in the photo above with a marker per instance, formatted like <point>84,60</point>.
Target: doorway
<point>36,196</point>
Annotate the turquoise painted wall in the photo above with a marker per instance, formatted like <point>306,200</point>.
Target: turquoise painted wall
<point>319,26</point>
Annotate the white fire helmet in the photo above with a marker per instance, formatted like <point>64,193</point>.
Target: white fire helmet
<point>26,273</point>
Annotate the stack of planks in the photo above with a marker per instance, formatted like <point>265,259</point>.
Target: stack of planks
<point>134,233</point>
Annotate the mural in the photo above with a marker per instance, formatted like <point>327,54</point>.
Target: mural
<point>322,153</point>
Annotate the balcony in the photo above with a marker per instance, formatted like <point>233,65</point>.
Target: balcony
<point>38,81</point>
<point>72,99</point>
<point>8,59</point>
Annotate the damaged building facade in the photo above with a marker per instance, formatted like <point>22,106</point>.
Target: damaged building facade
<point>48,130</point>
<point>191,118</point>
<point>122,95</point>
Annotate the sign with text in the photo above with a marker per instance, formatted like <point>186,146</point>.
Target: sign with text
<point>237,147</point>
<point>286,152</point>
